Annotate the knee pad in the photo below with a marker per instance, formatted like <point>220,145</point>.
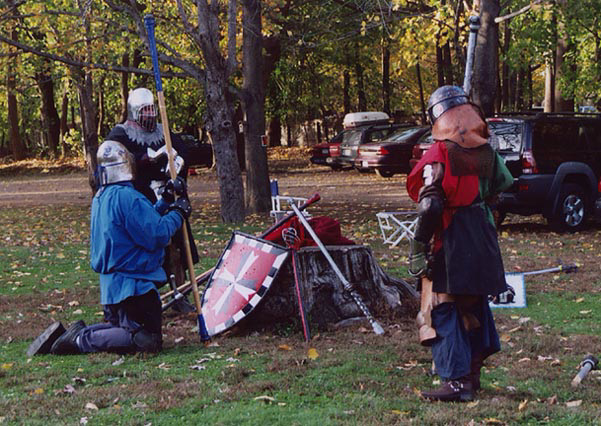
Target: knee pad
<point>147,342</point>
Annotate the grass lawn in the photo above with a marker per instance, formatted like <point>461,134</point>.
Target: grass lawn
<point>353,378</point>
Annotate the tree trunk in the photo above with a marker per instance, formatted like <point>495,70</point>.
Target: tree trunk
<point>561,102</point>
<point>549,102</point>
<point>274,133</point>
<point>85,88</point>
<point>447,64</point>
<point>505,68</point>
<point>220,112</point>
<point>325,300</point>
<point>346,91</point>
<point>63,120</point>
<point>50,114</point>
<point>421,92</point>
<point>101,108</point>
<point>361,99</point>
<point>258,194</point>
<point>439,64</point>
<point>16,143</point>
<point>124,86</point>
<point>385,76</point>
<point>486,58</point>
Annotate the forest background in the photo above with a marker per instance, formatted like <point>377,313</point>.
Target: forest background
<point>234,71</point>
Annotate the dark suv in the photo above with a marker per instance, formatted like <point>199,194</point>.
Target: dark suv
<point>555,159</point>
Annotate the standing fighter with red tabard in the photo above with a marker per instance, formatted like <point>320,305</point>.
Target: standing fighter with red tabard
<point>453,184</point>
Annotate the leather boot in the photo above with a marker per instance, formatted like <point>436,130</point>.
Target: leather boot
<point>453,390</point>
<point>475,367</point>
<point>66,344</point>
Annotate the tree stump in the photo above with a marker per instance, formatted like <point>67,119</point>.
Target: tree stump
<point>325,299</point>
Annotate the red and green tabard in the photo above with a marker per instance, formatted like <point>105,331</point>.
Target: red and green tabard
<point>467,259</point>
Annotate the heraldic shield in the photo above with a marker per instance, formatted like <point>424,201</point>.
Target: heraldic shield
<point>243,274</point>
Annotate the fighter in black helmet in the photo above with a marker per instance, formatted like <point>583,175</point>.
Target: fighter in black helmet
<point>455,243</point>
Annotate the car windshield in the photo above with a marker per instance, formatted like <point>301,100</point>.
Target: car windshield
<point>505,135</point>
<point>402,134</point>
<point>352,137</point>
<point>425,138</point>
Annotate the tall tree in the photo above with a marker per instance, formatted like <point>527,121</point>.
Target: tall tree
<point>484,79</point>
<point>16,143</point>
<point>258,194</point>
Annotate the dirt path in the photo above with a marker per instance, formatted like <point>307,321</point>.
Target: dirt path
<point>347,189</point>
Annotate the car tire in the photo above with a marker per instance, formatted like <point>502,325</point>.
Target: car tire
<point>572,210</point>
<point>384,173</point>
<point>336,168</point>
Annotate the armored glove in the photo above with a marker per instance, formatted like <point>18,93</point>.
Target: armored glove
<point>181,206</point>
<point>172,188</point>
<point>418,258</point>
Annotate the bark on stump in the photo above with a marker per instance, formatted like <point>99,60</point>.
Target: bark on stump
<point>326,301</point>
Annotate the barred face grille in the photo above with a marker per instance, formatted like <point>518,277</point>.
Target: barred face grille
<point>147,118</point>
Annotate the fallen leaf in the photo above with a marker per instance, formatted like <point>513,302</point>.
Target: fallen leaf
<point>573,404</point>
<point>284,347</point>
<point>198,367</point>
<point>585,312</point>
<point>265,398</point>
<point>38,391</point>
<point>7,365</point>
<point>493,421</point>
<point>236,351</point>
<point>312,354</point>
<point>83,421</point>
<point>523,405</point>
<point>118,362</point>
<point>505,337</point>
<point>473,404</point>
<point>552,400</point>
<point>179,340</point>
<point>69,389</point>
<point>580,300</point>
<point>91,406</point>
<point>77,312</point>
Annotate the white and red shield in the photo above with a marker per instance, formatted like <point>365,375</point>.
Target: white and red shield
<point>240,280</point>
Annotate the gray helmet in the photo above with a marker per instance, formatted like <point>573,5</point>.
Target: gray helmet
<point>443,99</point>
<point>115,163</point>
<point>141,109</point>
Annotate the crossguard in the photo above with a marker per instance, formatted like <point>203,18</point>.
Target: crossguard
<point>291,238</point>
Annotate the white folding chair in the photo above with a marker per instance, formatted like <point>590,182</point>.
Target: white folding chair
<point>397,225</point>
<point>280,204</point>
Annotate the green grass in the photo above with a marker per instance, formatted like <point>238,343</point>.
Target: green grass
<point>268,378</point>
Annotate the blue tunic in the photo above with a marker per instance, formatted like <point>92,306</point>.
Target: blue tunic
<point>128,237</point>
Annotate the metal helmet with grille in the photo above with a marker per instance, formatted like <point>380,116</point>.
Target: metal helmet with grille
<point>115,163</point>
<point>443,99</point>
<point>141,108</point>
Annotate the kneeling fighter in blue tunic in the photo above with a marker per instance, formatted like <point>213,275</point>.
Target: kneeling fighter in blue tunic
<point>128,236</point>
